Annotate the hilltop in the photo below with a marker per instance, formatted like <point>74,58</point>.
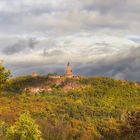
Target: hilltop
<point>66,108</point>
<point>39,84</point>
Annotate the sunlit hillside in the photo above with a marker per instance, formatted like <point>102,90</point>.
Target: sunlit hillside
<point>87,108</point>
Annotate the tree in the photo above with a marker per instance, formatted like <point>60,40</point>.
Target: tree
<point>24,129</point>
<point>3,76</point>
<point>131,127</point>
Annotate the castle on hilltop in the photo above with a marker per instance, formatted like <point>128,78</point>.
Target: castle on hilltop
<point>68,74</point>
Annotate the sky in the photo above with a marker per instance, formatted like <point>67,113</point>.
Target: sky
<point>98,37</point>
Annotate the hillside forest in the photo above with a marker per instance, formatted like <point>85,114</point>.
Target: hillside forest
<point>88,108</point>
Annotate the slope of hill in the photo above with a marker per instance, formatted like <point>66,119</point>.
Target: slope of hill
<point>83,109</point>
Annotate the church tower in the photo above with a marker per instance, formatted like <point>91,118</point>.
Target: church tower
<point>69,71</point>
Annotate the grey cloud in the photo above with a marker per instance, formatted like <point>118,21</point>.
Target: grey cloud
<point>20,46</point>
<point>135,39</point>
<point>69,17</point>
<point>124,65</point>
<point>32,42</point>
<point>13,49</point>
<point>52,53</point>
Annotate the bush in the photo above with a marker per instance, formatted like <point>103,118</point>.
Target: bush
<point>24,129</point>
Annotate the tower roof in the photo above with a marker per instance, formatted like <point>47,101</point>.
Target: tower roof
<point>68,63</point>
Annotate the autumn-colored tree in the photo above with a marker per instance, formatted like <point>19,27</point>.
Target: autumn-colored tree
<point>24,129</point>
<point>3,76</point>
<point>131,128</point>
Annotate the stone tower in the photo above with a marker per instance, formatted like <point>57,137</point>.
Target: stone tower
<point>34,74</point>
<point>69,71</point>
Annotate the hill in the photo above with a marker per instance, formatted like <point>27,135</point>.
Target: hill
<point>84,109</point>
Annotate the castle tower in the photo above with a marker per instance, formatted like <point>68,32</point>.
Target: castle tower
<point>69,71</point>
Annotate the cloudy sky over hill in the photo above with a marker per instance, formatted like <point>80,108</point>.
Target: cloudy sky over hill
<point>98,37</point>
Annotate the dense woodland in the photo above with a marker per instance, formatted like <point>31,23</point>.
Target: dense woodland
<point>100,109</point>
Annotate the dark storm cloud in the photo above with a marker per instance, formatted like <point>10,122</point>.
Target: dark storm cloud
<point>20,46</point>
<point>125,65</point>
<point>13,49</point>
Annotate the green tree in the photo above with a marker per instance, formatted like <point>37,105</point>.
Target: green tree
<point>3,76</point>
<point>24,129</point>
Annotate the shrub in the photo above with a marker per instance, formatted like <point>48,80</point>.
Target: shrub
<point>24,129</point>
